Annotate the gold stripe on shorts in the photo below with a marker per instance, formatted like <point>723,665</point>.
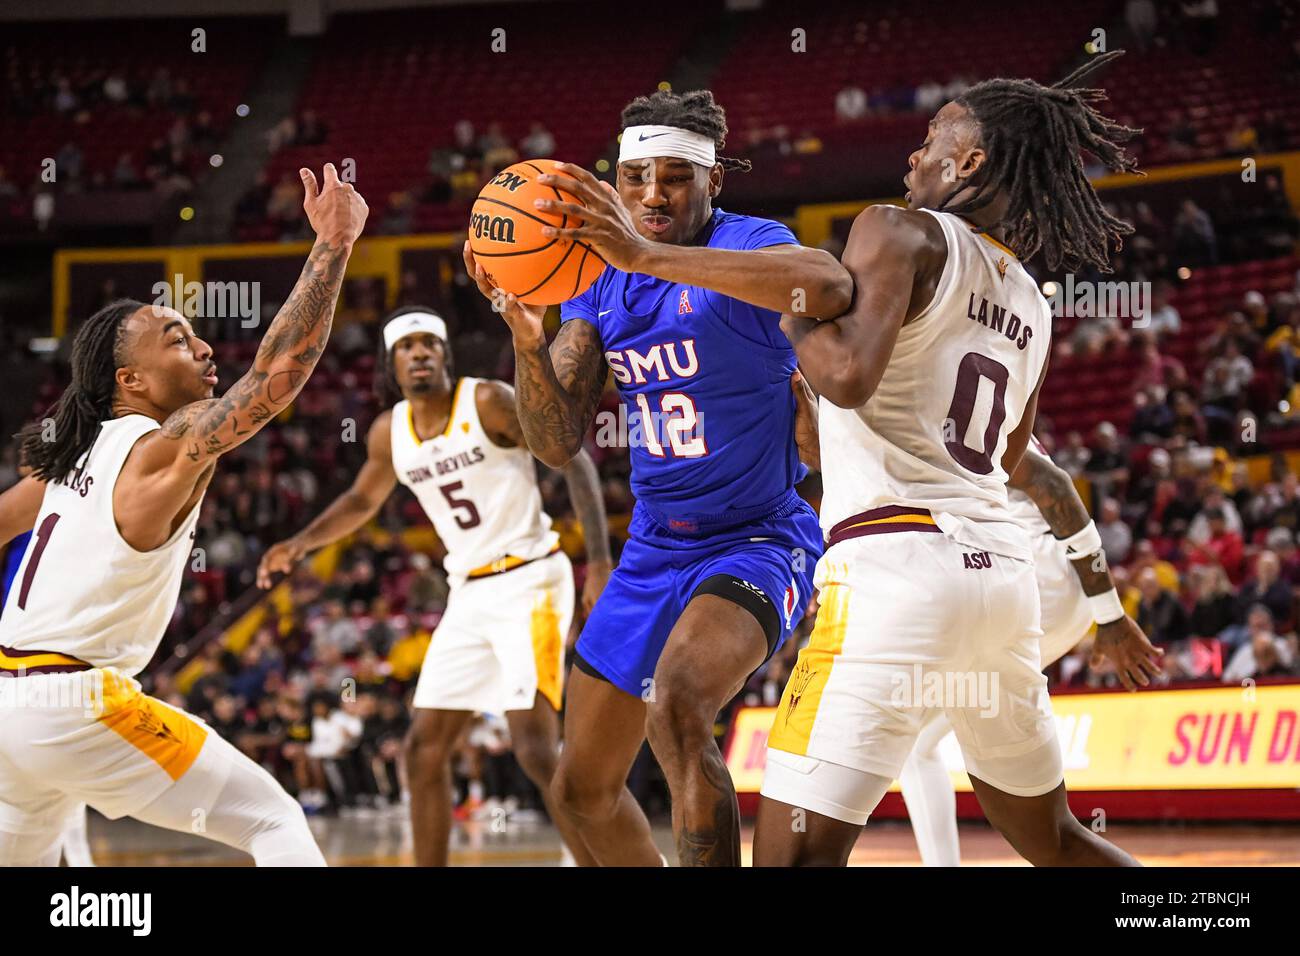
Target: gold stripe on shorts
<point>547,640</point>
<point>168,737</point>
<point>797,712</point>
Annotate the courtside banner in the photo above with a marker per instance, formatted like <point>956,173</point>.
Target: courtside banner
<point>1230,738</point>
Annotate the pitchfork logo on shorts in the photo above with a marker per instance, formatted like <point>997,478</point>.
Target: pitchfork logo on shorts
<point>799,681</point>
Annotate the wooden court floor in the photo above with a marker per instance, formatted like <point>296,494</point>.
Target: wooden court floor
<point>383,839</point>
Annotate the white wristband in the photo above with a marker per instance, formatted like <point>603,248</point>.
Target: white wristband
<point>1085,541</point>
<point>1106,607</point>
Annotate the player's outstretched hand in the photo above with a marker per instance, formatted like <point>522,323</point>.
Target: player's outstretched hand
<point>525,321</point>
<point>335,209</point>
<point>279,558</point>
<point>606,224</point>
<point>807,437</point>
<point>1136,659</point>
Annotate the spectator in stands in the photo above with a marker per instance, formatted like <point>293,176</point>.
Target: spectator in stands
<point>538,144</point>
<point>312,130</point>
<point>1262,654</point>
<point>1241,139</point>
<point>1267,588</point>
<point>1074,456</point>
<point>124,173</point>
<point>1180,136</point>
<point>850,104</point>
<point>1195,241</point>
<point>1164,318</point>
<point>427,590</point>
<point>225,718</point>
<point>1189,424</point>
<point>1154,367</point>
<point>1223,546</point>
<point>1093,335</point>
<point>68,163</point>
<point>1160,613</point>
<point>1140,17</point>
<point>1107,467</point>
<point>335,630</point>
<point>65,98</point>
<point>1213,603</point>
<point>1153,419</point>
<point>1116,537</point>
<point>929,97</point>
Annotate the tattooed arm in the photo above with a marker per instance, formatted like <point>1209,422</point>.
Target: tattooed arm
<point>294,341</point>
<point>498,412</point>
<point>556,390</point>
<point>1121,640</point>
<point>169,466</point>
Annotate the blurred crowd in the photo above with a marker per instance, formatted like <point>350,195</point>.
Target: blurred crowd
<point>169,163</point>
<point>454,173</point>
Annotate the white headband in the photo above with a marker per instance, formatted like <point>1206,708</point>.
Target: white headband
<point>413,322</point>
<point>647,142</point>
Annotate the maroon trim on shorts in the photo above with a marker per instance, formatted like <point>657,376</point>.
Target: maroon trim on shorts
<point>888,511</point>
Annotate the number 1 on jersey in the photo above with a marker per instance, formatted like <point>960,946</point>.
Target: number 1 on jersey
<point>40,540</point>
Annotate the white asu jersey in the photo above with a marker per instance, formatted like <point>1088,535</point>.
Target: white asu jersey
<point>483,499</point>
<point>933,433</point>
<point>81,590</point>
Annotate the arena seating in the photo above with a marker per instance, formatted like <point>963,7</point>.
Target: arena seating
<point>392,86</point>
<point>1080,392</point>
<point>34,56</point>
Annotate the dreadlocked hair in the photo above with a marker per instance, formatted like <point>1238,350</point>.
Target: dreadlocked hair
<point>696,111</point>
<point>384,384</point>
<point>1033,136</point>
<point>97,354</point>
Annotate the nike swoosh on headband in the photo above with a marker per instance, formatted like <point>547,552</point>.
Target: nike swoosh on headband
<point>643,137</point>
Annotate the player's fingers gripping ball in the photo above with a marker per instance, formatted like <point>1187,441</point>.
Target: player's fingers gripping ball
<point>505,235</point>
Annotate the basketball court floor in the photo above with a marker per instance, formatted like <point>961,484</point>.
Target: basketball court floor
<point>383,839</point>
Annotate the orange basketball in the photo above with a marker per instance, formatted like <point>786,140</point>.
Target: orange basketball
<point>505,234</point>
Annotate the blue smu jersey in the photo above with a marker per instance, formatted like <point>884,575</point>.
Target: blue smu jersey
<point>705,382</point>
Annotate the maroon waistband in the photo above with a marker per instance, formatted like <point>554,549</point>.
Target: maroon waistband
<point>884,520</point>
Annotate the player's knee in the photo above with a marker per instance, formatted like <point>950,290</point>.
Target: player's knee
<point>678,726</point>
<point>584,795</point>
<point>537,758</point>
<point>428,756</point>
<point>1045,842</point>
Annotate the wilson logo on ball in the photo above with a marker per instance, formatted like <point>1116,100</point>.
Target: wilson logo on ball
<point>508,180</point>
<point>495,228</point>
<point>539,269</point>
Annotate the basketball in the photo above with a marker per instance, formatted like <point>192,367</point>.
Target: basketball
<point>505,233</point>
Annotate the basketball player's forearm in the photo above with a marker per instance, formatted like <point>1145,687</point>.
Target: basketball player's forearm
<point>589,505</point>
<point>286,357</point>
<point>548,416</point>
<point>790,279</point>
<point>296,338</point>
<point>1052,490</point>
<point>557,390</point>
<point>348,512</point>
<point>830,366</point>
<point>19,507</point>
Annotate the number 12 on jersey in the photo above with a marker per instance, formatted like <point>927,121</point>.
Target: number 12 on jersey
<point>683,426</point>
